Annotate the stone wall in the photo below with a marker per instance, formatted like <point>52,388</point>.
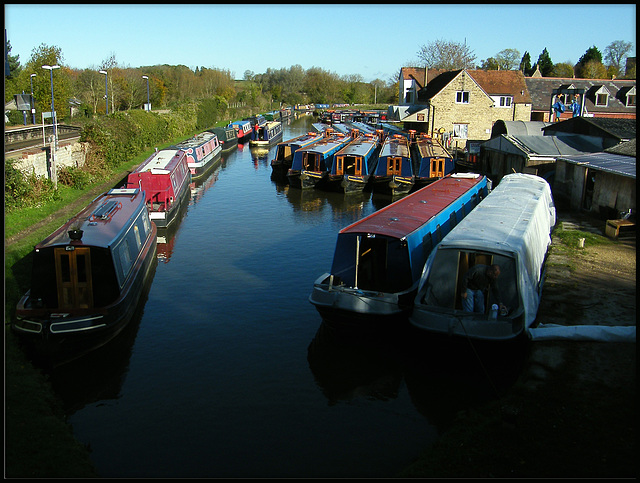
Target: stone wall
<point>39,162</point>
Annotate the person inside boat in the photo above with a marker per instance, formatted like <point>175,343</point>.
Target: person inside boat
<point>478,279</point>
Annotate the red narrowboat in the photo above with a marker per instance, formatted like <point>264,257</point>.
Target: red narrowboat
<point>164,177</point>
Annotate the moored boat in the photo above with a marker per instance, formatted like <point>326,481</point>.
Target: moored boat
<point>394,173</point>
<point>227,136</point>
<point>311,164</point>
<point>285,150</point>
<point>202,150</point>
<point>431,159</point>
<point>243,130</point>
<point>510,228</point>
<point>87,278</point>
<point>164,177</point>
<point>353,164</point>
<point>378,260</point>
<point>265,136</point>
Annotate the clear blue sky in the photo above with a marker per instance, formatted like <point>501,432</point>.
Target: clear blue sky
<point>371,40</point>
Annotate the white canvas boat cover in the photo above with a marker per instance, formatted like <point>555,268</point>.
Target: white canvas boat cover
<point>514,220</point>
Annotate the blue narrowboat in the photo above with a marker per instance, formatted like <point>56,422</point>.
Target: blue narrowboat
<point>378,260</point>
<point>202,151</point>
<point>87,278</point>
<point>285,151</point>
<point>431,159</point>
<point>352,165</point>
<point>227,136</point>
<point>394,174</point>
<point>243,130</point>
<point>267,135</point>
<point>311,164</point>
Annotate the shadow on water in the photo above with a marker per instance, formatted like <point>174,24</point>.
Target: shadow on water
<point>443,376</point>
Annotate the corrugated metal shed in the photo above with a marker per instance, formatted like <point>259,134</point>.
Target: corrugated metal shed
<point>552,146</point>
<point>609,162</point>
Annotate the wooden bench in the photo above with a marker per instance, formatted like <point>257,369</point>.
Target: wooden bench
<point>614,227</point>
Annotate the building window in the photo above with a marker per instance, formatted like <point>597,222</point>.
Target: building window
<point>601,99</point>
<point>460,131</point>
<point>631,100</point>
<point>462,97</point>
<point>505,101</point>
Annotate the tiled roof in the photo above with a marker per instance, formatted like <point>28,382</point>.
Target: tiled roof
<point>541,89</point>
<point>621,129</point>
<point>493,82</point>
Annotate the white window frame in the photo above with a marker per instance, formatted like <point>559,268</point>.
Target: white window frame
<point>505,101</point>
<point>599,98</point>
<point>631,100</point>
<point>460,97</point>
<point>461,131</point>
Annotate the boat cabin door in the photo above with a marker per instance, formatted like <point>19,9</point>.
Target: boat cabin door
<point>437,168</point>
<point>73,277</point>
<point>467,260</point>
<point>394,166</point>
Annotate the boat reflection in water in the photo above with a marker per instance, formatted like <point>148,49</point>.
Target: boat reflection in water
<point>443,376</point>
<point>166,236</point>
<point>99,375</point>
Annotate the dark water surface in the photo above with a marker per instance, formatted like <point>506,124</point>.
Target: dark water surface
<point>227,370</point>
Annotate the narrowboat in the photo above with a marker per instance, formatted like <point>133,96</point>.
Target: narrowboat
<point>202,151</point>
<point>378,260</point>
<point>286,113</point>
<point>431,159</point>
<point>227,136</point>
<point>164,177</point>
<point>273,116</point>
<point>394,173</point>
<point>311,164</point>
<point>87,278</point>
<point>285,150</point>
<point>511,228</point>
<point>243,130</point>
<point>352,165</point>
<point>267,135</point>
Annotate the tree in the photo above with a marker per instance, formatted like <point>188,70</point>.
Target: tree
<point>593,70</point>
<point>545,64</point>
<point>447,55</point>
<point>525,65</point>
<point>13,61</point>
<point>615,53</point>
<point>563,69</point>
<point>490,64</point>
<point>508,59</point>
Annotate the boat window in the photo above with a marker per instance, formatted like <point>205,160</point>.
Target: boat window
<point>136,233</point>
<point>125,259</point>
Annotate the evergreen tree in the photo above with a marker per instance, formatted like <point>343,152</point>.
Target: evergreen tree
<point>525,65</point>
<point>13,62</point>
<point>545,64</point>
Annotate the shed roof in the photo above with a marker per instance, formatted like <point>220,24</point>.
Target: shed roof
<point>603,161</point>
<point>518,128</point>
<point>552,146</point>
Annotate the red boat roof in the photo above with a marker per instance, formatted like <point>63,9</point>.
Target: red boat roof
<point>411,212</point>
<point>101,221</point>
<point>165,159</point>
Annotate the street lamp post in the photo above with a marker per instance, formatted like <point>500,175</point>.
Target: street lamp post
<point>53,111</point>
<point>106,90</point>
<point>148,102</point>
<point>33,109</point>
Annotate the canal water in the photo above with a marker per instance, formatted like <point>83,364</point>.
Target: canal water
<point>227,370</point>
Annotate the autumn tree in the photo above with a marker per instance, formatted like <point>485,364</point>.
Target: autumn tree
<point>563,69</point>
<point>447,55</point>
<point>593,59</point>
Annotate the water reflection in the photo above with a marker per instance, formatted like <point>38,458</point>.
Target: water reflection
<point>443,376</point>
<point>99,375</point>
<point>166,236</point>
